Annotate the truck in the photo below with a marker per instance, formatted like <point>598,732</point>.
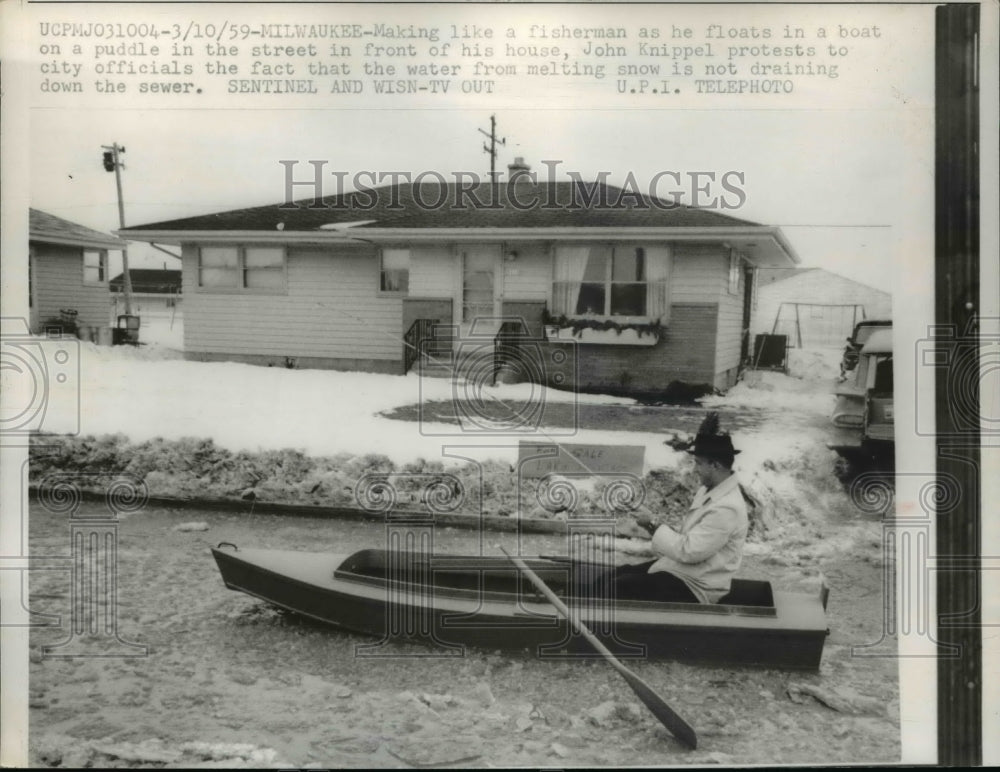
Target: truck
<point>863,417</point>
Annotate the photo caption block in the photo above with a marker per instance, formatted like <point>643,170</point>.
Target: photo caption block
<point>394,57</point>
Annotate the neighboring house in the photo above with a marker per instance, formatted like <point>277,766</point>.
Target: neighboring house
<point>68,270</point>
<point>156,300</point>
<point>813,306</point>
<point>351,281</point>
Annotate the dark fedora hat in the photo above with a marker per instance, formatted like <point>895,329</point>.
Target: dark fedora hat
<point>709,442</point>
<point>712,446</point>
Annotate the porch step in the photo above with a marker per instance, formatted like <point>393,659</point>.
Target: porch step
<point>438,349</point>
<point>441,360</point>
<point>437,365</point>
<point>437,359</point>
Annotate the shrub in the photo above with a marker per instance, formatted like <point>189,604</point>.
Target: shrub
<point>62,325</point>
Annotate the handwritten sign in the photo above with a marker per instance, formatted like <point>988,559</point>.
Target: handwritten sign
<point>538,459</point>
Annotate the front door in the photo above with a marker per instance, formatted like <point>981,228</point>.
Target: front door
<point>479,296</point>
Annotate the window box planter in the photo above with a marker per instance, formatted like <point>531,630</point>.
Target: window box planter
<point>626,337</point>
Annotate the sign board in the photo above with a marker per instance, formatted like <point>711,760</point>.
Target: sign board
<point>538,459</point>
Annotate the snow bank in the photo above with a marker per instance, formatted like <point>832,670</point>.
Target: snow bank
<point>808,387</point>
<point>775,391</point>
<point>793,477</point>
<point>819,364</point>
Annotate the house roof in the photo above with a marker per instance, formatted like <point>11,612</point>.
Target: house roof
<point>49,229</point>
<point>774,275</point>
<point>771,275</point>
<point>519,210</point>
<point>149,280</point>
<point>485,205</point>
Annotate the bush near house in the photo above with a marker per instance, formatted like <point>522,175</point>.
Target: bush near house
<point>65,324</point>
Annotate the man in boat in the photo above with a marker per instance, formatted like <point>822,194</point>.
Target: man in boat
<point>696,563</point>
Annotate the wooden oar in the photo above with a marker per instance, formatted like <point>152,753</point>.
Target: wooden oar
<point>680,728</point>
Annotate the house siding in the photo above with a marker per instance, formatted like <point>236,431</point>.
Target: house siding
<point>729,335</point>
<point>57,282</point>
<point>432,271</point>
<point>331,315</point>
<point>528,278</point>
<point>698,273</point>
<point>426,308</point>
<point>701,275</point>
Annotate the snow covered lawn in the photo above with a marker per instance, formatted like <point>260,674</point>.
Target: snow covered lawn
<point>147,393</point>
<point>245,407</point>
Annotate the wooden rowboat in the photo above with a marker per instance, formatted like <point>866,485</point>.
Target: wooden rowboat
<point>451,601</point>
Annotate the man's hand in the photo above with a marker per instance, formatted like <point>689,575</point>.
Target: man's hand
<point>646,523</point>
<point>629,528</point>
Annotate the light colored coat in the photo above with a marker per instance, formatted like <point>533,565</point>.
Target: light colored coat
<point>708,550</point>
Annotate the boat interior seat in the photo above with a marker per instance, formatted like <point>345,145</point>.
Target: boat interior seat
<point>498,578</point>
<point>748,592</point>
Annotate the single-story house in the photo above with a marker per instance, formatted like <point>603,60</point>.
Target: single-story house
<point>156,300</point>
<point>813,306</point>
<point>611,289</point>
<point>68,271</point>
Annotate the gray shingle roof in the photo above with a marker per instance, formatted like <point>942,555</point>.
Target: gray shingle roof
<point>520,205</point>
<point>48,228</point>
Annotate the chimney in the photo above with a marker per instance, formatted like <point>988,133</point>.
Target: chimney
<point>518,171</point>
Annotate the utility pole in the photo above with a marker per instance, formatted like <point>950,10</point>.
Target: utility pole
<point>113,163</point>
<point>491,148</point>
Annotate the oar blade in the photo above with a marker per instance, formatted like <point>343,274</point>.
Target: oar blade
<point>678,727</point>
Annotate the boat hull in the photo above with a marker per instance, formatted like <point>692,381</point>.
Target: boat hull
<point>451,602</point>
